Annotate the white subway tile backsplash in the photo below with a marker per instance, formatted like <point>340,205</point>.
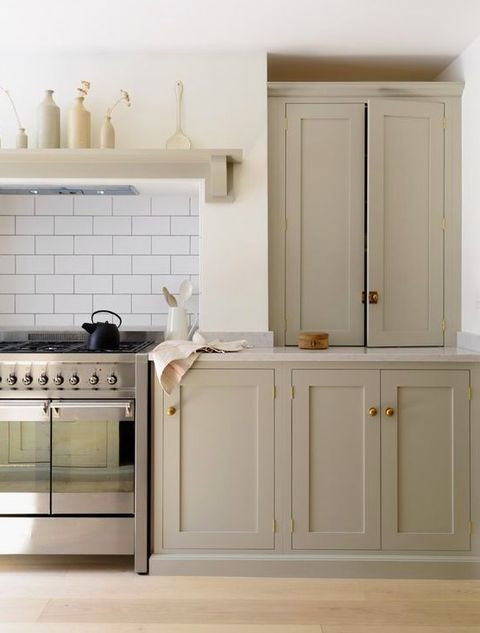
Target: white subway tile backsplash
<point>112,226</point>
<point>13,245</point>
<point>185,265</point>
<point>34,226</point>
<point>62,257</point>
<point>185,226</point>
<point>73,303</point>
<point>54,245</point>
<point>73,264</point>
<point>17,205</point>
<point>93,284</point>
<point>171,205</point>
<point>73,226</point>
<point>132,245</point>
<point>118,303</point>
<point>151,226</point>
<point>112,264</point>
<point>55,284</point>
<point>92,205</point>
<point>132,284</point>
<point>34,303</point>
<point>7,303</point>
<point>151,264</point>
<point>171,245</point>
<point>17,283</point>
<point>93,245</point>
<point>131,205</point>
<point>54,205</point>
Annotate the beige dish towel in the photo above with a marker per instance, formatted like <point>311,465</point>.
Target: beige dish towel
<point>173,359</point>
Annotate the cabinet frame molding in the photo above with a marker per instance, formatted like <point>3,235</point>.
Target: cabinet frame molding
<point>282,93</point>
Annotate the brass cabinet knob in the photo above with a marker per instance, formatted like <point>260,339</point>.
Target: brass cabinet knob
<point>171,410</point>
<point>389,412</point>
<point>372,412</point>
<point>373,296</point>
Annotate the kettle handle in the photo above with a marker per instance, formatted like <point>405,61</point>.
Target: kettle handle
<point>108,312</point>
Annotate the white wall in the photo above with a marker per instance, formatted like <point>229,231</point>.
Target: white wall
<point>467,68</point>
<point>225,105</point>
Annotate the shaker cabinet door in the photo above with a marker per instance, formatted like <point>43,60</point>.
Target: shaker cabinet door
<point>325,162</point>
<point>405,223</point>
<point>336,459</point>
<point>425,460</point>
<point>218,461</point>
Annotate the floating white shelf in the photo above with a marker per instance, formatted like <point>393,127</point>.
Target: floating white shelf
<point>212,165</point>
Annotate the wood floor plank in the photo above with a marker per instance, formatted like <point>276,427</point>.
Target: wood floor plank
<point>20,609</point>
<point>154,628</point>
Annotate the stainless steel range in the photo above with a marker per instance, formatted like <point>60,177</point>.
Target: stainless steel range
<point>73,448</point>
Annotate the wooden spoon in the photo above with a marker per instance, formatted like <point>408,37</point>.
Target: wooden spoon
<point>179,140</point>
<point>169,298</point>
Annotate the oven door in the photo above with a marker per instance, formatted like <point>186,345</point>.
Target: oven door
<point>93,450</point>
<point>24,457</point>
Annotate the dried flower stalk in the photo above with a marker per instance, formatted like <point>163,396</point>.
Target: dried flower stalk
<point>84,88</point>
<point>9,97</point>
<point>124,96</point>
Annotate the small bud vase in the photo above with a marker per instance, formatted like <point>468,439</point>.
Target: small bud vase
<point>79,125</point>
<point>107,134</point>
<point>48,122</point>
<point>22,139</point>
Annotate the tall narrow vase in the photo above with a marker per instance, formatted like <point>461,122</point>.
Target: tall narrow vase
<point>78,125</point>
<point>48,122</point>
<point>107,134</point>
<point>22,139</point>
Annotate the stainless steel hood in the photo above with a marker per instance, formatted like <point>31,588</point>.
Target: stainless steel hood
<point>77,190</point>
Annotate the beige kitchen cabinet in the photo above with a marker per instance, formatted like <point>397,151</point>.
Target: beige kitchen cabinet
<point>336,459</point>
<point>325,208</point>
<point>365,212</point>
<point>425,460</point>
<point>218,461</point>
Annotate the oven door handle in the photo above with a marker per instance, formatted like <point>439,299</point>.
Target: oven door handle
<point>25,404</point>
<point>92,404</point>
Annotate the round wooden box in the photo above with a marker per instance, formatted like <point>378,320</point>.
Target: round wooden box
<point>313,340</point>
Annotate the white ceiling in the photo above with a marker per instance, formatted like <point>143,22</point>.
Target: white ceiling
<point>334,28</point>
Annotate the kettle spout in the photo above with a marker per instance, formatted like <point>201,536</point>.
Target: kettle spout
<point>89,327</point>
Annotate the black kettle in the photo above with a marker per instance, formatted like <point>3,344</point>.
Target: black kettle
<point>103,335</point>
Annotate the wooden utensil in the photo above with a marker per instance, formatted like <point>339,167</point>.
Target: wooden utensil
<point>185,291</point>
<point>179,140</point>
<point>169,298</point>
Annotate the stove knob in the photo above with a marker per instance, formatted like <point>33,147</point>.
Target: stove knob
<point>43,379</point>
<point>27,379</point>
<point>93,380</point>
<point>74,380</point>
<point>58,380</point>
<point>112,379</point>
<point>11,379</point>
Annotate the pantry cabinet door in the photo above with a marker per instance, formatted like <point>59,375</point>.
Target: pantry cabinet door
<point>325,166</point>
<point>336,459</point>
<point>425,460</point>
<point>405,222</point>
<point>218,461</point>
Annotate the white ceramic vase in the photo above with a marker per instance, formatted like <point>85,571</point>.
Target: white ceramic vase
<point>22,139</point>
<point>107,134</point>
<point>48,122</point>
<point>177,326</point>
<point>79,125</point>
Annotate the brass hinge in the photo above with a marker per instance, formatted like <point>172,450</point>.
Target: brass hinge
<point>292,526</point>
<point>444,122</point>
<point>444,224</point>
<point>274,526</point>
<point>444,325</point>
<point>292,392</point>
<point>274,391</point>
<point>470,527</point>
<point>285,123</point>
<point>469,393</point>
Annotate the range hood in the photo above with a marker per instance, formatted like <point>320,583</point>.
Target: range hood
<point>97,190</point>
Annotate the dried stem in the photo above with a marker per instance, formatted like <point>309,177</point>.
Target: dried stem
<point>9,97</point>
<point>124,97</point>
<point>84,88</point>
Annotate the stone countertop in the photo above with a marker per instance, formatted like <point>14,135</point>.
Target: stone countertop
<point>347,354</point>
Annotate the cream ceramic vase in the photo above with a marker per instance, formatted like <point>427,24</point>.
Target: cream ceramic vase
<point>107,134</point>
<point>177,326</point>
<point>48,122</point>
<point>79,125</point>
<point>22,138</point>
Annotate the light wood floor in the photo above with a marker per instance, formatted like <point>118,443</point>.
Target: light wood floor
<point>88,596</point>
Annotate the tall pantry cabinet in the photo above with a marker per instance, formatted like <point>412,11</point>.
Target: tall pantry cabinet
<point>365,212</point>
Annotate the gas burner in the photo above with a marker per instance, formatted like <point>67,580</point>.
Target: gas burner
<point>68,347</point>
